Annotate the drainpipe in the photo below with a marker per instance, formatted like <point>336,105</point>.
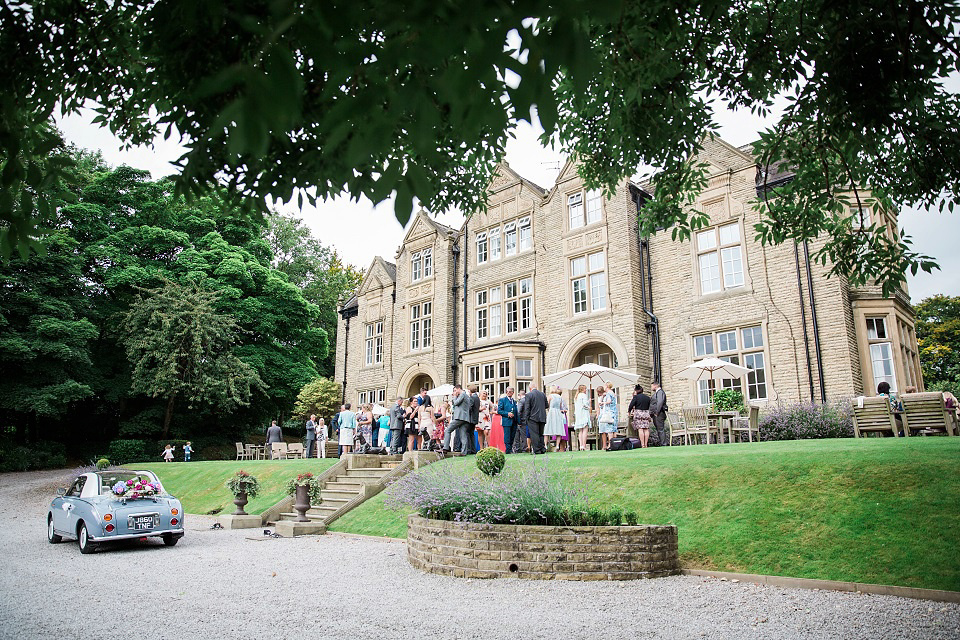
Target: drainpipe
<point>816,326</point>
<point>466,264</point>
<point>455,250</point>
<point>646,285</point>
<point>803,317</point>
<point>346,351</point>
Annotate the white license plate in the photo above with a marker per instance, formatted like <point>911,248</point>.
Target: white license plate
<point>142,523</point>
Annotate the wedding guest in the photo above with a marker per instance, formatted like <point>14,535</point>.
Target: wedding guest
<point>348,425</point>
<point>553,429</point>
<point>321,438</point>
<point>639,412</point>
<point>365,423</point>
<point>534,413</point>
<point>410,421</point>
<point>508,411</point>
<point>658,412</point>
<point>581,416</point>
<point>383,435</point>
<point>608,416</point>
<point>483,427</point>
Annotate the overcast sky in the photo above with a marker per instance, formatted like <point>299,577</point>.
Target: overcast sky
<point>347,225</point>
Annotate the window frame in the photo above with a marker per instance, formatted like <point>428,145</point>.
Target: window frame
<point>751,385</point>
<point>718,252</point>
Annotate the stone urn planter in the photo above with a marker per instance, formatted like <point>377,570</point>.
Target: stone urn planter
<point>473,550</point>
<point>241,501</point>
<point>302,503</point>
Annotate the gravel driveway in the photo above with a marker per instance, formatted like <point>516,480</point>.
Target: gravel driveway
<point>220,584</point>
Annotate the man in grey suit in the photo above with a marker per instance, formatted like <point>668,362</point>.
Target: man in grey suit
<point>311,435</point>
<point>396,426</point>
<point>273,435</point>
<point>658,411</point>
<point>535,416</point>
<point>467,431</point>
<point>461,416</point>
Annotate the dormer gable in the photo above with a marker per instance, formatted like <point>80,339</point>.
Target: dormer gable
<point>380,275</point>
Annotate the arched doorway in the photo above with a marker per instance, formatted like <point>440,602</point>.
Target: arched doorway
<point>419,381</point>
<point>596,353</point>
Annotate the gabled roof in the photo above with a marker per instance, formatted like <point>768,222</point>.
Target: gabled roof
<point>423,223</point>
<point>504,176</point>
<point>379,270</point>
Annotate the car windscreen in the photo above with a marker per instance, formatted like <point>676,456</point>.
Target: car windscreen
<point>110,478</point>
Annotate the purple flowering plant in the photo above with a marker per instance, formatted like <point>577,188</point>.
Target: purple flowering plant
<point>529,495</point>
<point>807,421</point>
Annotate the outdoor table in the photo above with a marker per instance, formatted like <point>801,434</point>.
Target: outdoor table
<point>258,451</point>
<point>724,417</point>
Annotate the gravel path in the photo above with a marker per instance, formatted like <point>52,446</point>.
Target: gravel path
<point>220,584</point>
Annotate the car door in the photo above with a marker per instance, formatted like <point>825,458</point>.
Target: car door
<point>66,519</point>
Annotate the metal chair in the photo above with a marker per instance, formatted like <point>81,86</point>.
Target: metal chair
<point>242,453</point>
<point>749,424</point>
<point>873,415</point>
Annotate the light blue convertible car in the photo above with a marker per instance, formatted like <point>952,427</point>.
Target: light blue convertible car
<point>114,505</point>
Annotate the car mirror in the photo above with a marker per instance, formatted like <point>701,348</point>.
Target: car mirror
<point>61,491</point>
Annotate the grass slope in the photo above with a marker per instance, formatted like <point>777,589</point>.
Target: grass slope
<point>200,486</point>
<point>881,510</point>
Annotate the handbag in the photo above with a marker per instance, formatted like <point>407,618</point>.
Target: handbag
<point>606,415</point>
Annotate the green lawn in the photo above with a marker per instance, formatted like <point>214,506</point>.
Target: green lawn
<point>881,510</point>
<point>200,486</point>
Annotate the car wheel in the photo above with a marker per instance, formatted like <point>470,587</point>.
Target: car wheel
<point>52,537</point>
<point>170,540</point>
<point>84,539</point>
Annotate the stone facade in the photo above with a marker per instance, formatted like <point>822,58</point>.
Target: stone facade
<point>546,280</point>
<point>472,550</point>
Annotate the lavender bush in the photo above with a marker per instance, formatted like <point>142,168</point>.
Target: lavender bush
<point>532,495</point>
<point>807,421</point>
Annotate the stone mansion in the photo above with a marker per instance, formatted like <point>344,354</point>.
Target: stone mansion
<point>546,280</point>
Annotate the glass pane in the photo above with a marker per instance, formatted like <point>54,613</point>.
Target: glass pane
<point>706,240</point>
<point>709,273</point>
<point>876,329</point>
<point>579,295</point>
<point>524,368</point>
<point>575,209</point>
<point>511,242</point>
<point>598,291</point>
<point>495,294</point>
<point>495,321</point>
<point>730,234</point>
<point>578,267</point>
<point>596,261</point>
<point>512,316</point>
<point>732,267</point>
<point>594,206</point>
<point>703,345</point>
<point>526,237</point>
<point>526,285</point>
<point>727,341</point>
<point>511,290</point>
<point>488,371</point>
<point>481,297</point>
<point>752,337</point>
<point>526,315</point>
<point>481,323</point>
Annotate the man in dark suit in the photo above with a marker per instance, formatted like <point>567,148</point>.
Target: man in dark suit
<point>507,410</point>
<point>467,432</point>
<point>658,411</point>
<point>535,415</point>
<point>311,435</point>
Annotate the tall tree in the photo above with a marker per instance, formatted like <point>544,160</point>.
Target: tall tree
<point>938,337</point>
<point>374,97</point>
<point>180,346</point>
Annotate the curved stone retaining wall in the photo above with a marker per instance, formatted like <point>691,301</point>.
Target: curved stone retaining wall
<point>471,550</point>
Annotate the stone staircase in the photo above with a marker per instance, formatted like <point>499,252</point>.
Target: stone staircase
<point>346,485</point>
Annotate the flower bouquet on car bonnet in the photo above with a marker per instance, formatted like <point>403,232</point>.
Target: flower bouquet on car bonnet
<point>134,489</point>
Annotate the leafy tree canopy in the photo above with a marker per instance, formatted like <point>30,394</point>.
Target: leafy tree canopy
<point>938,337</point>
<point>321,396</point>
<point>288,100</point>
<point>179,345</point>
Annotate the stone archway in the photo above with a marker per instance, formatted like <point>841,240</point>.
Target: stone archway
<point>416,376</point>
<point>597,344</point>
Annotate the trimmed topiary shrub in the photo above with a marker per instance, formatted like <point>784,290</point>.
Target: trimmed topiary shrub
<point>491,460</point>
<point>103,463</point>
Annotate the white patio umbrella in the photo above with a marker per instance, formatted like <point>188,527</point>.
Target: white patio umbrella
<point>378,410</point>
<point>592,375</point>
<point>442,390</point>
<point>712,369</point>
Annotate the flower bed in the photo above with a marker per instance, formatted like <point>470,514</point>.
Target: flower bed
<point>476,550</point>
